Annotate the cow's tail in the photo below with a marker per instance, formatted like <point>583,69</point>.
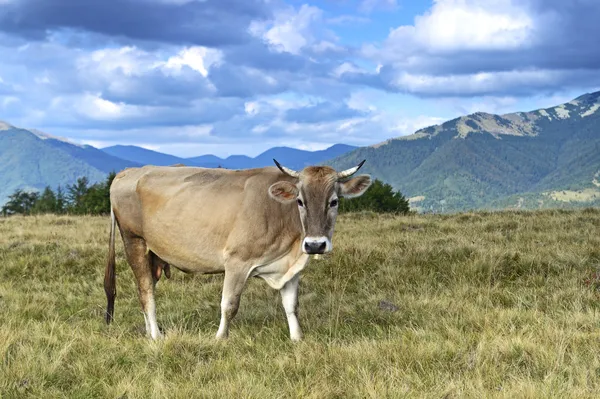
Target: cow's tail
<point>110,286</point>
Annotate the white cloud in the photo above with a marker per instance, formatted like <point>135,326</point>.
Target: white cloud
<point>95,107</point>
<point>150,137</point>
<point>346,67</point>
<point>200,59</point>
<point>458,25</point>
<point>326,46</point>
<point>475,84</point>
<point>489,104</point>
<point>252,107</point>
<point>291,30</point>
<point>470,25</point>
<point>408,126</point>
<point>130,61</point>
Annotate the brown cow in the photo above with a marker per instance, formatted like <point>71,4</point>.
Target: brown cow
<point>257,222</point>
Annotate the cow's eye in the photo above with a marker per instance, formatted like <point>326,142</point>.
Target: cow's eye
<point>333,203</point>
<point>300,204</point>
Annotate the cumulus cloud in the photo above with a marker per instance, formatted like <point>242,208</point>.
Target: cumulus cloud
<point>200,59</point>
<point>297,31</point>
<point>492,47</point>
<point>290,30</point>
<point>322,112</point>
<point>136,76</point>
<point>517,82</point>
<point>459,25</point>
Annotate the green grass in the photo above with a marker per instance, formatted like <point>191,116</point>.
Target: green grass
<point>488,305</point>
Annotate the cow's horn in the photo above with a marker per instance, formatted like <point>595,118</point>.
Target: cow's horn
<point>351,171</point>
<point>285,170</point>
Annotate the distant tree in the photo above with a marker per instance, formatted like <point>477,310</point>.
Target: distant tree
<point>47,202</point>
<point>61,200</point>
<point>20,202</point>
<point>106,192</point>
<point>97,199</point>
<point>76,193</point>
<point>92,200</point>
<point>380,197</point>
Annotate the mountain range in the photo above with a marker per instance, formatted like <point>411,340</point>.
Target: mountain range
<point>31,160</point>
<point>291,157</point>
<point>544,158</point>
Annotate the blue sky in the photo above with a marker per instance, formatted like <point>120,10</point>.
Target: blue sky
<point>191,77</point>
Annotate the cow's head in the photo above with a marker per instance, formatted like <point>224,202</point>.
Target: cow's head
<point>317,194</point>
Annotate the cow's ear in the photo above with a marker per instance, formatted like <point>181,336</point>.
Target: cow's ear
<point>354,187</point>
<point>283,191</point>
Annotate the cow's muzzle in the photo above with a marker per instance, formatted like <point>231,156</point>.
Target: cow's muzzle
<point>316,245</point>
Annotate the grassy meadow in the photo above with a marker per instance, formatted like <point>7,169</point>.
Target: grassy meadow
<point>470,305</point>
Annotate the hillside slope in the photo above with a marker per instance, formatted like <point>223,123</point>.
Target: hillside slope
<point>489,161</point>
<point>31,161</point>
<point>144,156</point>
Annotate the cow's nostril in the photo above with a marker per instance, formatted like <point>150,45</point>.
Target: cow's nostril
<point>315,247</point>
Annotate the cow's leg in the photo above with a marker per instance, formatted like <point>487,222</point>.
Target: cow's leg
<point>289,298</point>
<point>139,260</point>
<point>232,290</point>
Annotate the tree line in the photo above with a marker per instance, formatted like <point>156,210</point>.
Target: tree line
<point>82,198</point>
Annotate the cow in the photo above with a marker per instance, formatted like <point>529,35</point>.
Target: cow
<point>263,222</point>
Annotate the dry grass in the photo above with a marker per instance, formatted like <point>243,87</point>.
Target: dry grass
<point>585,195</point>
<point>477,305</point>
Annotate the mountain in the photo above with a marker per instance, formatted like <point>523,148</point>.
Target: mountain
<point>291,157</point>
<point>544,158</point>
<point>298,159</point>
<point>32,160</point>
<point>143,156</point>
<point>238,162</point>
<point>207,161</point>
<point>91,155</point>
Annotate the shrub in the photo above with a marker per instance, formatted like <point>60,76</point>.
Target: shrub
<point>380,197</point>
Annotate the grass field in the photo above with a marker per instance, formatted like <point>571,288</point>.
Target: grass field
<point>475,305</point>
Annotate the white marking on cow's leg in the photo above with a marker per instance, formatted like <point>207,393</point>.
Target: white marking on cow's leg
<point>148,328</point>
<point>230,301</point>
<point>289,298</point>
<point>150,317</point>
<point>137,256</point>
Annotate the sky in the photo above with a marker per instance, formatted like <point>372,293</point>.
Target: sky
<point>193,77</point>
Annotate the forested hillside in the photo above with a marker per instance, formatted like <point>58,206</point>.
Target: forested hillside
<point>543,158</point>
